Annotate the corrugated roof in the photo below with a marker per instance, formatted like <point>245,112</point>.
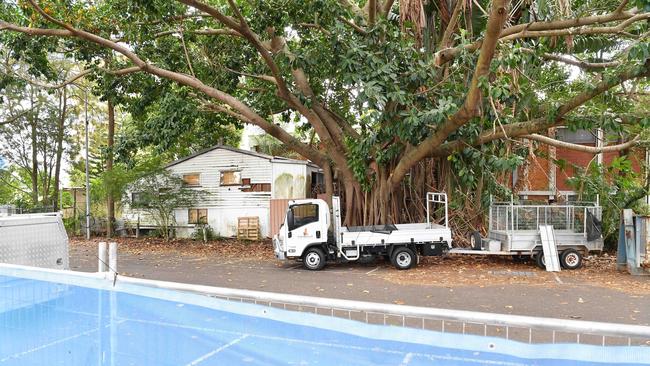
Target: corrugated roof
<point>240,151</point>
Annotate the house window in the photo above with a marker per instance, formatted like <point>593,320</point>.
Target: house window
<point>192,180</point>
<point>197,216</point>
<point>576,137</point>
<point>139,199</point>
<point>231,178</point>
<point>258,187</point>
<point>303,215</point>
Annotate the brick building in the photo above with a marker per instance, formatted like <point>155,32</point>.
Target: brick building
<point>542,179</point>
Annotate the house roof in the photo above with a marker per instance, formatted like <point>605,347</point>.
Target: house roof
<point>278,159</point>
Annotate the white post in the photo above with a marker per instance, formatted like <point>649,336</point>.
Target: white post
<point>103,257</point>
<point>112,257</point>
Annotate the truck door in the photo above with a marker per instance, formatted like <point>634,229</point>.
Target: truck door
<point>304,227</point>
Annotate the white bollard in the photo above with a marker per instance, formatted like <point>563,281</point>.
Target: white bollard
<point>112,257</point>
<point>102,265</point>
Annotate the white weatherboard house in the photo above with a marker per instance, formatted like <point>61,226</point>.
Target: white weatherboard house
<point>238,183</point>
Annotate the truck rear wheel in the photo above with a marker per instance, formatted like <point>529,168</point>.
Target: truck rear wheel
<point>314,259</point>
<point>404,258</point>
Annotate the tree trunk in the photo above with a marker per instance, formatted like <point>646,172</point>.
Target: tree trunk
<point>59,148</point>
<point>329,183</point>
<point>45,172</point>
<point>110,203</point>
<point>34,140</point>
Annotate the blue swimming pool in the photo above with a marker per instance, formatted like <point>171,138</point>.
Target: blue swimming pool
<point>45,322</point>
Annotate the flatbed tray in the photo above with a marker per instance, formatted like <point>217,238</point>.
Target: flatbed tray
<point>384,229</point>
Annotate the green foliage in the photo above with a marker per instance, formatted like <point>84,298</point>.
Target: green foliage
<point>158,194</point>
<point>641,4</point>
<point>204,232</point>
<point>617,185</point>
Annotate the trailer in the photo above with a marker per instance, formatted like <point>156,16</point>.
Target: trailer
<point>305,235</point>
<point>557,234</point>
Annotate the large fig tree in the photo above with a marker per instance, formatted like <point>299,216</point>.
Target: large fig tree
<point>383,85</point>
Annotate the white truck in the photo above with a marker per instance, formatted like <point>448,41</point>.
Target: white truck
<point>305,235</point>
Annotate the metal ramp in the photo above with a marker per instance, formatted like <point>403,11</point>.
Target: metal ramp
<point>549,247</point>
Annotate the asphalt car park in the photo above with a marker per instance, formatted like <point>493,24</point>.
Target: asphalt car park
<point>596,292</point>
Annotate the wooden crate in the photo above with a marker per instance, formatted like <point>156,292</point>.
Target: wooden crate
<point>248,228</point>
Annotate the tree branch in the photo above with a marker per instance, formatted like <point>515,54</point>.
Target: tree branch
<point>470,108</point>
<point>35,31</point>
<point>268,78</point>
<point>445,42</point>
<point>526,33</point>
<point>277,132</point>
<point>71,80</point>
<point>204,32</point>
<point>575,62</point>
<point>225,20</point>
<point>372,12</point>
<point>16,117</point>
<point>387,6</point>
<point>354,26</point>
<point>543,123</point>
<point>621,6</point>
<point>577,147</point>
<point>443,56</point>
<point>353,8</point>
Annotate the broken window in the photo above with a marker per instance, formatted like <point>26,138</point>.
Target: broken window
<point>231,178</point>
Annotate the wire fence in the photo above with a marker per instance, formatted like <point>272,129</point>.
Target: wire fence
<point>528,217</point>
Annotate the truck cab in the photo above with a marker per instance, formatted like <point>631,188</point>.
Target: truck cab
<point>313,234</point>
<point>305,225</point>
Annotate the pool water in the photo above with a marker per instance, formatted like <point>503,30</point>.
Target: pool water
<point>50,323</point>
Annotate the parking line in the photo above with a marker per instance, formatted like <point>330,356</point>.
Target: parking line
<point>369,272</point>
<point>557,278</point>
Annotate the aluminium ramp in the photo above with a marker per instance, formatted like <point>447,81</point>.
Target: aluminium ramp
<point>549,247</point>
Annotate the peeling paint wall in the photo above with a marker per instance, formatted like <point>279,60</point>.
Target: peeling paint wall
<point>289,181</point>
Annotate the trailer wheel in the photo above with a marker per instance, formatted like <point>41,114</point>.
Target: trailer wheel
<point>540,260</point>
<point>404,258</point>
<point>314,259</point>
<point>571,259</point>
<point>475,240</point>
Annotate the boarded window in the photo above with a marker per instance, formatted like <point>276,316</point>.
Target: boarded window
<point>192,180</point>
<point>231,178</point>
<point>197,216</point>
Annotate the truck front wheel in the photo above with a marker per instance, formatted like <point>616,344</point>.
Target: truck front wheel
<point>314,259</point>
<point>404,258</point>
